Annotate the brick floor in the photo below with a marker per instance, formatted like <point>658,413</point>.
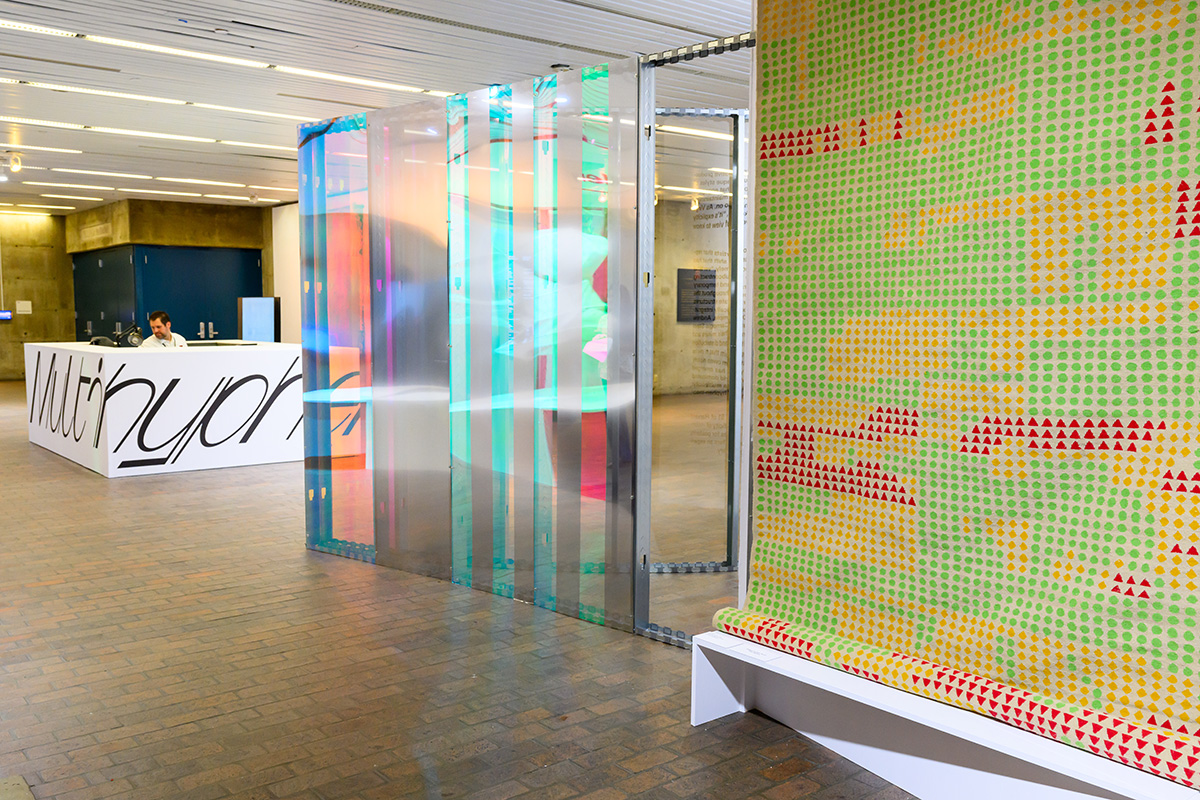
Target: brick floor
<point>170,637</point>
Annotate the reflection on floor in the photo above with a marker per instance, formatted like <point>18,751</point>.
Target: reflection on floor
<point>168,636</point>
<point>688,509</point>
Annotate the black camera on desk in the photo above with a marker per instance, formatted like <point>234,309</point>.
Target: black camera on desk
<point>130,337</point>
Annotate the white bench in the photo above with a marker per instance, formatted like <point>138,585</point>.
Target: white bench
<point>932,750</point>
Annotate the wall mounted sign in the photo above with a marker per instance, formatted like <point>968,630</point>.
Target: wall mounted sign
<point>696,298</point>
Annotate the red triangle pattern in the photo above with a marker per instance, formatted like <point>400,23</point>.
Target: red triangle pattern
<point>1132,587</point>
<point>796,461</point>
<point>828,138</point>
<point>1159,126</point>
<point>1171,750</point>
<point>774,633</point>
<point>808,142</point>
<point>1187,210</point>
<point>1145,746</point>
<point>1060,434</point>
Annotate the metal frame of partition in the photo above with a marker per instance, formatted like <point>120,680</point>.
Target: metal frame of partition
<point>739,299</point>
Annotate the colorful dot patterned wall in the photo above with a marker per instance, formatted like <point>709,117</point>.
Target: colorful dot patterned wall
<point>977,349</point>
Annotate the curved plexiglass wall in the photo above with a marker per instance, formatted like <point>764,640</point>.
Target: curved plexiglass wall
<point>502,322</point>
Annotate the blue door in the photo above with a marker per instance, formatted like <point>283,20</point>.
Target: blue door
<point>198,287</point>
<point>104,291</point>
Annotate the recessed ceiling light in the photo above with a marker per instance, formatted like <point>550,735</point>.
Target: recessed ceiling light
<point>200,180</point>
<point>71,197</point>
<point>160,191</point>
<point>26,213</point>
<point>45,149</point>
<point>271,188</point>
<point>228,197</point>
<point>40,205</point>
<point>99,172</point>
<point>69,186</point>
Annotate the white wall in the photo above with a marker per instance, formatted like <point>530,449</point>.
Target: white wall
<point>285,229</point>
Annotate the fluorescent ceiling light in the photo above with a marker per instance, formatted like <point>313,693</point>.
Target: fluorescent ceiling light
<point>71,197</point>
<point>160,191</point>
<point>201,180</point>
<point>15,146</point>
<point>296,117</point>
<point>726,137</point>
<point>21,26</point>
<point>329,76</point>
<point>229,197</point>
<point>175,51</point>
<point>152,134</point>
<point>234,61</point>
<point>271,188</point>
<point>692,190</point>
<point>40,205</point>
<point>721,169</point>
<point>55,87</point>
<point>42,123</point>
<point>69,186</point>
<point>252,144</point>
<point>26,213</point>
<point>99,172</point>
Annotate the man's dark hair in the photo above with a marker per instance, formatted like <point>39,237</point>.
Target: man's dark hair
<point>161,316</point>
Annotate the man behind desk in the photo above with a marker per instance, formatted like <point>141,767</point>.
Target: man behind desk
<point>160,326</point>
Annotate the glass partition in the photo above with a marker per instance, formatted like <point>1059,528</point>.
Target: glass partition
<point>336,324</point>
<point>504,277</point>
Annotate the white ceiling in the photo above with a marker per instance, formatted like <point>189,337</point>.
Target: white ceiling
<point>434,45</point>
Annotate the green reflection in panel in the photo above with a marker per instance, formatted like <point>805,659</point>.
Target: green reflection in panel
<point>545,170</point>
<point>500,153</point>
<point>460,347</point>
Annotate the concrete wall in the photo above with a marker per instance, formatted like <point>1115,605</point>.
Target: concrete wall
<point>34,266</point>
<point>165,223</point>
<point>690,357</point>
<point>285,250</point>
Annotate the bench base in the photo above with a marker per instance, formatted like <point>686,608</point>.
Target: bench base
<point>932,750</point>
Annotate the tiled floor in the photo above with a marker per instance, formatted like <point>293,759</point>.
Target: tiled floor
<point>169,637</point>
<point>688,511</point>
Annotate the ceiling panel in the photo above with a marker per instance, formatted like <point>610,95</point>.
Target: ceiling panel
<point>436,45</point>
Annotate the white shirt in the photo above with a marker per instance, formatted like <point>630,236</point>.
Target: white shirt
<point>175,341</point>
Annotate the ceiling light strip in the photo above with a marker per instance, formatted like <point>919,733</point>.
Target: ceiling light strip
<point>15,146</point>
<point>69,186</point>
<point>102,173</point>
<point>42,123</point>
<point>55,87</point>
<point>231,60</point>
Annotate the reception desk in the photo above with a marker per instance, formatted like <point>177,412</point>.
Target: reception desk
<point>139,411</point>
